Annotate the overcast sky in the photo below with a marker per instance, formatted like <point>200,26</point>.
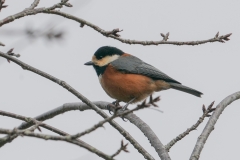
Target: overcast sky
<point>211,68</point>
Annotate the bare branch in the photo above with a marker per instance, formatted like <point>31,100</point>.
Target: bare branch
<point>20,15</point>
<point>50,128</point>
<point>206,113</point>
<point>112,34</point>
<point>82,107</point>
<point>62,109</point>
<point>44,136</point>
<point>210,125</point>
<point>30,11</point>
<point>13,115</point>
<point>152,137</point>
<point>128,41</point>
<point>83,99</point>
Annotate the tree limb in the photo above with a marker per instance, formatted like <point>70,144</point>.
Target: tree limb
<point>153,139</point>
<point>210,124</point>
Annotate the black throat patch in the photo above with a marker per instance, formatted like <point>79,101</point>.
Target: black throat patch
<point>100,70</point>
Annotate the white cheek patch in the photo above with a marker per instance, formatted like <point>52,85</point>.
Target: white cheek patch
<point>106,60</point>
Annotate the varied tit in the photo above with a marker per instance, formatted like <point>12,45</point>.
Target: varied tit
<point>127,78</point>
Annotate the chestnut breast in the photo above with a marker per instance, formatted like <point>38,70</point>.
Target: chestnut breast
<point>125,86</point>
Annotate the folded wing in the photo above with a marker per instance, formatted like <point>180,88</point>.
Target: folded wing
<point>134,65</point>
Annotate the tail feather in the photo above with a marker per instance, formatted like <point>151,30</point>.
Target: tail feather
<point>185,89</point>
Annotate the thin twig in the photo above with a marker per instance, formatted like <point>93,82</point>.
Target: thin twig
<point>206,113</point>
<point>28,12</point>
<point>10,53</point>
<point>210,124</point>
<point>23,118</point>
<point>165,37</point>
<point>44,136</point>
<point>83,99</point>
<point>123,147</point>
<point>2,5</point>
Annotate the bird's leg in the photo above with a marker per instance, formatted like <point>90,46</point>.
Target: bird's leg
<point>126,105</point>
<point>114,105</point>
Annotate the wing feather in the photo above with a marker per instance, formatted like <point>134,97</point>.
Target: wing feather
<point>134,65</point>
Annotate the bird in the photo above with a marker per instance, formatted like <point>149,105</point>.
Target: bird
<point>129,79</point>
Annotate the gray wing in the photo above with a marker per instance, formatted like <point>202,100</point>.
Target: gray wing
<point>134,65</point>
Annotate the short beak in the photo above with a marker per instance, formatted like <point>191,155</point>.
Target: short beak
<point>90,63</point>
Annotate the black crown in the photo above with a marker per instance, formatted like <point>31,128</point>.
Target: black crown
<point>107,51</point>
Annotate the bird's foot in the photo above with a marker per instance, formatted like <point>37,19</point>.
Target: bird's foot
<point>116,103</point>
<point>113,107</point>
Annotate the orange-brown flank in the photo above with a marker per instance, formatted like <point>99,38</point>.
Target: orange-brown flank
<point>124,86</point>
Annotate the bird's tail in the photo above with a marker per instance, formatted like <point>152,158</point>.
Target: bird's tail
<point>185,89</point>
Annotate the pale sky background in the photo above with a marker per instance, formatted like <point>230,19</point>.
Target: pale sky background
<point>211,68</point>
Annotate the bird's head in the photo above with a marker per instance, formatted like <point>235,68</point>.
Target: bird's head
<point>105,55</point>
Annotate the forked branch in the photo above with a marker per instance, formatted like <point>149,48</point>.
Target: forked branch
<point>206,113</point>
<point>210,125</point>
